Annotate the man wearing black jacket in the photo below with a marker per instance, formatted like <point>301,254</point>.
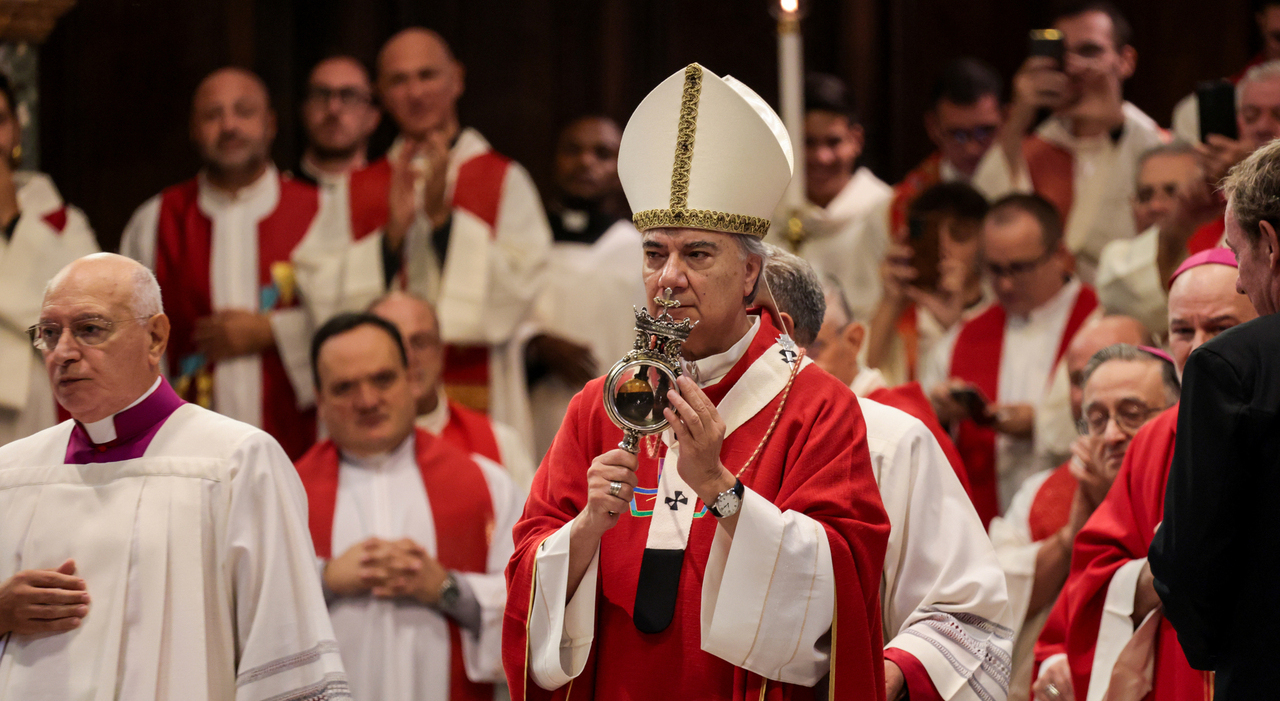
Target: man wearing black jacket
<point>1214,558</point>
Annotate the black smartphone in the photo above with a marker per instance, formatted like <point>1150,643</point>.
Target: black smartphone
<point>974,403</point>
<point>1217,104</point>
<point>1048,42</point>
<point>922,233</point>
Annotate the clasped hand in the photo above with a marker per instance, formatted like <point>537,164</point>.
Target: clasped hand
<point>388,570</point>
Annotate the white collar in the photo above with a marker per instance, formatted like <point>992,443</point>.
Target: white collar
<point>104,431</point>
<point>1057,305</point>
<point>948,173</point>
<point>711,369</point>
<point>264,190</point>
<point>436,419</point>
<point>382,461</point>
<point>867,381</point>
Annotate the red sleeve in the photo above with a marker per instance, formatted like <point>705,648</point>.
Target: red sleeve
<point>1053,637</point>
<point>919,685</point>
<point>1118,532</point>
<point>557,495</point>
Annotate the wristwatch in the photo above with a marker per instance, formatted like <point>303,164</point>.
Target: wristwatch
<point>447,598</point>
<point>728,502</point>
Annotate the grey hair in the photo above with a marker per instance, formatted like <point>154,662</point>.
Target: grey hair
<point>1125,351</point>
<point>1258,74</point>
<point>1252,188</point>
<point>796,290</point>
<point>146,300</point>
<point>749,246</point>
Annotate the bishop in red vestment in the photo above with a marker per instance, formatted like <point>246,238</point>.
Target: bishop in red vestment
<point>738,555</point>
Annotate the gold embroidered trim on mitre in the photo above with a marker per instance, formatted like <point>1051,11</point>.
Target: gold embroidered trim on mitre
<point>679,216</point>
<point>684,136</point>
<point>701,219</point>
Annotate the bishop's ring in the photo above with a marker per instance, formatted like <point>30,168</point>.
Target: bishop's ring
<point>615,488</point>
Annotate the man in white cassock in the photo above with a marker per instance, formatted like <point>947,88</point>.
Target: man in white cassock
<point>582,318</point>
<point>942,596</point>
<point>844,226</point>
<point>466,428</point>
<point>719,561</point>
<point>39,234</point>
<point>412,532</point>
<point>221,246</point>
<point>447,217</point>
<point>150,549</point>
<point>1084,157</point>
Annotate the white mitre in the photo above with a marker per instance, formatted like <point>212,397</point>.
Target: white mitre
<point>732,156</point>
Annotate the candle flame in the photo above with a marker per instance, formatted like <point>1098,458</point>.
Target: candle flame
<point>790,5</point>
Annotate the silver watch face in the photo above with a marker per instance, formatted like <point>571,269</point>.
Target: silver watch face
<point>727,504</point>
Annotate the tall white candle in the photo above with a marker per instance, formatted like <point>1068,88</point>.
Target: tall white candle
<point>791,98</point>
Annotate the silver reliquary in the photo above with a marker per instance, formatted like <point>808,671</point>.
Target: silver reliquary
<point>635,390</point>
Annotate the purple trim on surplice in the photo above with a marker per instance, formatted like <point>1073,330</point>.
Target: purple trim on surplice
<point>135,427</point>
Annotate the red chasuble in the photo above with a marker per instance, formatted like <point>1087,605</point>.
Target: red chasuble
<point>478,189</point>
<point>910,397</point>
<point>976,359</point>
<point>1118,532</point>
<point>816,463</point>
<point>471,431</point>
<point>184,237</point>
<point>1052,170</point>
<point>460,506</point>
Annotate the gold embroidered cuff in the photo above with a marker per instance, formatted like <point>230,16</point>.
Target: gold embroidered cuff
<point>701,219</point>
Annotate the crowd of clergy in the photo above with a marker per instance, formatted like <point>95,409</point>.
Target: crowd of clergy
<point>337,429</point>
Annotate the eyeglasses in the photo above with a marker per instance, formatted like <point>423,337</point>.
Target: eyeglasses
<point>976,135</point>
<point>92,331</point>
<point>1017,268</point>
<point>1130,416</point>
<point>347,97</point>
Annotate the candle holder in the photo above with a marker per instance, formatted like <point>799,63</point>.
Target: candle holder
<point>635,390</point>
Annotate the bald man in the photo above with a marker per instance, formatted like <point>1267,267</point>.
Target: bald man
<point>338,117</point>
<point>221,245</point>
<point>448,218</point>
<point>149,549</point>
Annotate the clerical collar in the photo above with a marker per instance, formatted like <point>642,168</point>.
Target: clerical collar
<point>104,431</point>
<point>867,381</point>
<point>258,188</point>
<point>710,370</point>
<point>126,434</point>
<point>436,419</point>
<point>382,460</point>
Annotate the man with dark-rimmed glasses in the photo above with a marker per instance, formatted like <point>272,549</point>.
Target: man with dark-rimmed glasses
<point>994,373</point>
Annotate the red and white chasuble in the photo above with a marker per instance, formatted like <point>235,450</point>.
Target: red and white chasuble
<point>480,435</point>
<point>498,242</point>
<point>977,358</point>
<point>1102,644</point>
<point>392,648</point>
<point>213,251</point>
<point>754,614</point>
<point>49,235</point>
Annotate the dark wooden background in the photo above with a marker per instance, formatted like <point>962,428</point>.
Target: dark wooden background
<point>116,75</point>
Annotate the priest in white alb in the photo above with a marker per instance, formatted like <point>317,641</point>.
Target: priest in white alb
<point>447,217</point>
<point>948,633</point>
<point>412,532</point>
<point>221,246</point>
<point>150,549</point>
<point>39,234</point>
<point>1084,157</point>
<point>720,561</point>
